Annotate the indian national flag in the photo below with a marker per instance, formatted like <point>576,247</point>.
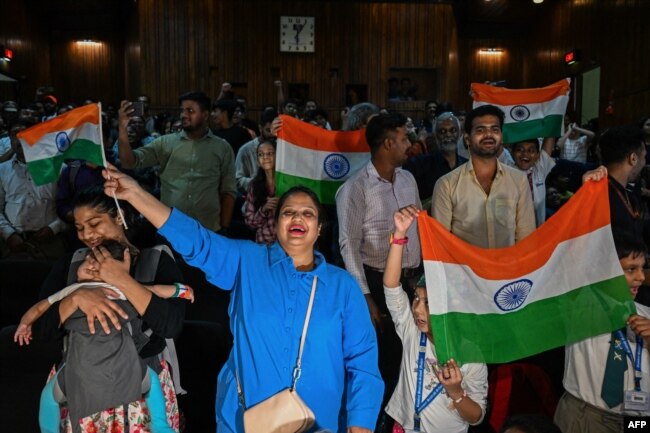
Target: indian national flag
<point>319,159</point>
<point>561,284</point>
<point>530,113</point>
<point>74,135</point>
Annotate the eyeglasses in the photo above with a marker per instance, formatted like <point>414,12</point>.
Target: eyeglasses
<point>261,155</point>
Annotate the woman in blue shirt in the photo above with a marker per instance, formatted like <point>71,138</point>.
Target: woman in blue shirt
<point>270,287</point>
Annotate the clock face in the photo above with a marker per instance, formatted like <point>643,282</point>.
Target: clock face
<point>297,34</point>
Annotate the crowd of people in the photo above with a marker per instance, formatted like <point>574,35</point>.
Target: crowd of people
<point>199,186</point>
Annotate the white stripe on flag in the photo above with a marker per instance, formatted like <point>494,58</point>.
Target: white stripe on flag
<point>47,148</point>
<point>308,163</point>
<point>453,287</point>
<point>536,110</point>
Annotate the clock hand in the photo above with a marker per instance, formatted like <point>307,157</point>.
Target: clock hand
<point>298,28</point>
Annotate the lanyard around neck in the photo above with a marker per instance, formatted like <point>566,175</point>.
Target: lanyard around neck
<point>636,360</point>
<point>419,404</point>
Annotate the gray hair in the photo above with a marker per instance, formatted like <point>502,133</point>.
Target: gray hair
<point>359,114</point>
<point>445,116</point>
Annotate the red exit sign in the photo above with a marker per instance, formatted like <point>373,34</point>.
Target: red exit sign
<point>571,57</point>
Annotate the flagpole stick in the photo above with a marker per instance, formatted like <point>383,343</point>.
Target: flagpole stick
<point>101,137</point>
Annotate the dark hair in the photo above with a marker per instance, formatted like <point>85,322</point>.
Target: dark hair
<point>431,101</point>
<point>268,116</point>
<point>627,245</point>
<point>531,424</point>
<point>619,142</point>
<point>95,198</point>
<point>200,98</point>
<point>301,190</point>
<point>483,110</point>
<point>379,126</point>
<point>642,120</point>
<point>227,105</point>
<point>311,114</point>
<point>258,183</point>
<point>534,141</point>
<point>116,248</point>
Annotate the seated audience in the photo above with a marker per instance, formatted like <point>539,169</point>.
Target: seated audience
<point>29,224</point>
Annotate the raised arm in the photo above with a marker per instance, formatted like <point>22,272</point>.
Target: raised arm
<point>127,158</point>
<point>125,188</point>
<point>548,145</point>
<point>403,219</point>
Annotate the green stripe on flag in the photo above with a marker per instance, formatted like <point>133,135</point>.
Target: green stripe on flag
<point>549,126</point>
<point>324,189</point>
<point>588,311</point>
<point>47,170</point>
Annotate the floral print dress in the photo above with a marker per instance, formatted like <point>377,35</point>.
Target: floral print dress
<point>136,413</point>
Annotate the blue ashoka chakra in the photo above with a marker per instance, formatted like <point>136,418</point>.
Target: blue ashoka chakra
<point>512,295</point>
<point>336,166</point>
<point>519,113</point>
<point>62,141</point>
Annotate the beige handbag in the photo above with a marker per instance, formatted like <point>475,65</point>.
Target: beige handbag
<point>284,412</point>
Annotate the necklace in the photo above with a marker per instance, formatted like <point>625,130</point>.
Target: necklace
<point>626,201</point>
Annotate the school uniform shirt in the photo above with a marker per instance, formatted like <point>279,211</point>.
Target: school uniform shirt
<point>539,171</point>
<point>268,303</point>
<point>440,415</point>
<point>584,367</point>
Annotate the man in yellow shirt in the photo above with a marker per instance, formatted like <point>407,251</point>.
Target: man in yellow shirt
<point>484,202</point>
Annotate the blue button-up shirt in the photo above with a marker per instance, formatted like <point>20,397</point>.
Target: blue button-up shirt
<point>267,311</point>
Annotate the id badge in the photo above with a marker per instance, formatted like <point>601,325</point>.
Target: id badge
<point>637,401</point>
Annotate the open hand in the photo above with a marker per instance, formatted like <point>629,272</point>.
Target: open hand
<point>23,334</point>
<point>109,270</point>
<point>95,305</point>
<point>276,126</point>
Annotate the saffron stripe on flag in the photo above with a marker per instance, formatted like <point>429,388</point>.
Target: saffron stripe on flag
<point>86,114</point>
<point>495,338</point>
<point>503,96</point>
<point>308,136</point>
<point>47,144</point>
<point>325,190</point>
<point>530,253</point>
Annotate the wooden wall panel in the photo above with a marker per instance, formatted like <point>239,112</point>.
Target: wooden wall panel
<point>198,44</point>
<point>81,70</point>
<point>613,34</point>
<point>26,35</point>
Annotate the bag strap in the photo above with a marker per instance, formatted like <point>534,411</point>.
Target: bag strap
<point>297,370</point>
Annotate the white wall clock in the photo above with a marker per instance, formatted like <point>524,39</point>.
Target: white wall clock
<point>297,34</point>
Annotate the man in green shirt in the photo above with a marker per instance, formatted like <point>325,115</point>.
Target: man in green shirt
<point>197,169</point>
